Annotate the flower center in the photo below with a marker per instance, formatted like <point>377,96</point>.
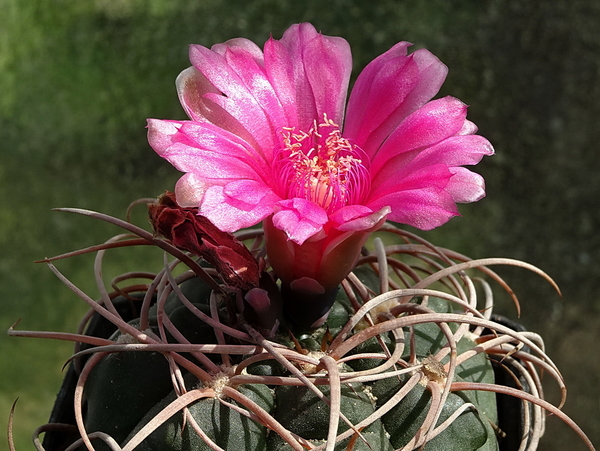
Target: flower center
<point>322,166</point>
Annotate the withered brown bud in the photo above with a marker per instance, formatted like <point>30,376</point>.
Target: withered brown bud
<point>194,233</point>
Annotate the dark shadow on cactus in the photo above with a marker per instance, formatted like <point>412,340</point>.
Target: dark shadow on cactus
<point>63,412</point>
<point>511,410</point>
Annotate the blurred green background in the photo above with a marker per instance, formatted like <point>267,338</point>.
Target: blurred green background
<point>78,78</point>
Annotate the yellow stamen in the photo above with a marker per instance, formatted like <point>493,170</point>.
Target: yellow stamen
<point>321,165</point>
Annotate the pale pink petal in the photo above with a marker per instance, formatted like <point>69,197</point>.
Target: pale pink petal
<point>468,128</point>
<point>465,186</point>
<point>193,89</point>
<point>388,90</point>
<point>240,43</point>
<point>300,219</point>
<point>430,124</point>
<point>190,189</point>
<point>238,204</point>
<point>191,86</point>
<point>358,218</point>
<point>161,134</point>
<point>424,208</point>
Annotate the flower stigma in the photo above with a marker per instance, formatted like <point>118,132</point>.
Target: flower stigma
<point>322,166</point>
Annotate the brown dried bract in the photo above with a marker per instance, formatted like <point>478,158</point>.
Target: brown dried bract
<point>189,231</point>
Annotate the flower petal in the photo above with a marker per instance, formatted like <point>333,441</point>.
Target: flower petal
<point>229,75</point>
<point>247,60</point>
<point>358,218</point>
<point>328,64</point>
<point>419,198</point>
<point>452,152</point>
<point>207,150</point>
<point>430,124</point>
<point>381,86</point>
<point>310,74</point>
<point>425,208</point>
<point>161,134</point>
<point>194,91</point>
<point>237,205</point>
<point>465,186</point>
<point>190,189</point>
<point>280,71</point>
<point>300,219</point>
<point>390,88</point>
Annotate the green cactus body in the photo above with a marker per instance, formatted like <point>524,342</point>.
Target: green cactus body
<point>127,390</point>
<point>206,359</point>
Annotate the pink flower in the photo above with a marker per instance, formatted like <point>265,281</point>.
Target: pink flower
<point>268,140</point>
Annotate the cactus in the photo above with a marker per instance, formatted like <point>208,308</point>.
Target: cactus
<point>405,360</point>
<point>297,335</point>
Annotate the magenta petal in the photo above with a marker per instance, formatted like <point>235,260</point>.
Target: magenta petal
<point>388,90</point>
<point>206,150</point>
<point>430,124</point>
<point>310,70</point>
<point>382,72</point>
<point>300,219</point>
<point>434,176</point>
<point>328,63</point>
<point>419,199</point>
<point>216,153</point>
<point>247,194</point>
<point>349,213</point>
<point>247,60</point>
<point>254,203</point>
<point>452,152</point>
<point>457,150</point>
<point>280,71</point>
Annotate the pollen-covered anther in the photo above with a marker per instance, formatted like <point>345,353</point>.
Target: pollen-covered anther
<point>322,166</point>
